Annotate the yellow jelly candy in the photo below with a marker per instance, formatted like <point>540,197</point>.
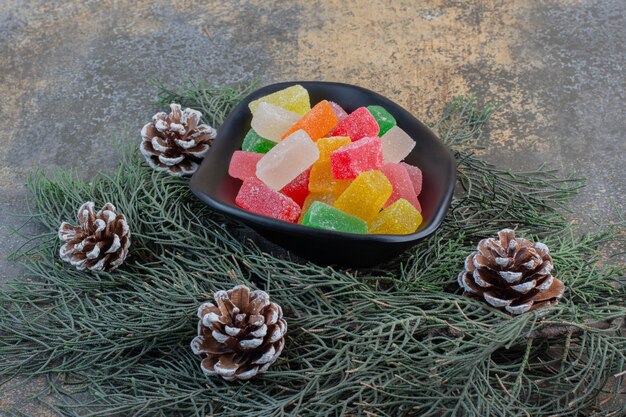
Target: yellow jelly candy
<point>400,218</point>
<point>294,98</point>
<point>327,198</point>
<point>328,145</point>
<point>366,195</point>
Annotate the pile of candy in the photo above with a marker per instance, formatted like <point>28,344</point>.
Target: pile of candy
<point>327,169</point>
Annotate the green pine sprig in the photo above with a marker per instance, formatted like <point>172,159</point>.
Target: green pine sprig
<point>396,340</point>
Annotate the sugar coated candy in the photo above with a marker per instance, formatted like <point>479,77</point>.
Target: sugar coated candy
<point>400,218</point>
<point>339,111</point>
<point>322,179</point>
<point>349,161</point>
<point>330,144</point>
<point>416,177</point>
<point>327,198</point>
<point>340,186</point>
<point>243,164</point>
<point>384,119</point>
<point>258,198</point>
<point>252,142</point>
<point>365,196</point>
<point>358,124</point>
<point>327,169</point>
<point>298,188</point>
<point>323,216</point>
<point>270,121</point>
<point>285,161</point>
<point>294,98</point>
<point>396,145</point>
<point>317,122</point>
<point>399,178</point>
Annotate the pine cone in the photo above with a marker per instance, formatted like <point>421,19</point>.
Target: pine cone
<point>100,242</point>
<point>175,142</point>
<point>241,336</point>
<point>511,274</point>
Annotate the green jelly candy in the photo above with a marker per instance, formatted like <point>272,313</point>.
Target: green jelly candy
<point>255,143</point>
<point>322,216</point>
<point>383,118</point>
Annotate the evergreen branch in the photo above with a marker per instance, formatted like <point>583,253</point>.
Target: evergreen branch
<point>391,341</point>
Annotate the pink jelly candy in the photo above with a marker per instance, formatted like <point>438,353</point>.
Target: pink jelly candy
<point>298,188</point>
<point>243,164</point>
<point>416,177</point>
<point>349,161</point>
<point>358,124</point>
<point>258,198</point>
<point>339,111</point>
<point>399,178</point>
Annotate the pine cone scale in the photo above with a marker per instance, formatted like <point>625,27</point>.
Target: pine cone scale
<point>555,289</point>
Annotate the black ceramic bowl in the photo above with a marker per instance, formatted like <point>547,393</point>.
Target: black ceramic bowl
<point>212,184</point>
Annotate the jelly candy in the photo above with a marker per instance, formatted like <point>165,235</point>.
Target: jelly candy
<point>365,196</point>
<point>399,178</point>
<point>327,198</point>
<point>322,179</point>
<point>298,189</point>
<point>358,124</point>
<point>288,159</point>
<point>339,111</point>
<point>321,174</point>
<point>243,164</point>
<point>294,98</point>
<point>385,120</point>
<point>326,168</point>
<point>349,161</point>
<point>396,145</point>
<point>330,144</point>
<point>416,177</point>
<point>270,121</point>
<point>252,142</point>
<point>258,198</point>
<point>323,216</point>
<point>400,218</point>
<point>319,121</point>
<point>340,186</point>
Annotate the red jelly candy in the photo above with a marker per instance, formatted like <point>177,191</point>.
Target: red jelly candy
<point>349,161</point>
<point>399,178</point>
<point>416,177</point>
<point>358,124</point>
<point>298,188</point>
<point>243,164</point>
<point>258,198</point>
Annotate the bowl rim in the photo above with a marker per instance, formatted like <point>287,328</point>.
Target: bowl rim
<point>195,183</point>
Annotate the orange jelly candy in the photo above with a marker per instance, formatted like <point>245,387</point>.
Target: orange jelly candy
<point>321,179</point>
<point>317,122</point>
